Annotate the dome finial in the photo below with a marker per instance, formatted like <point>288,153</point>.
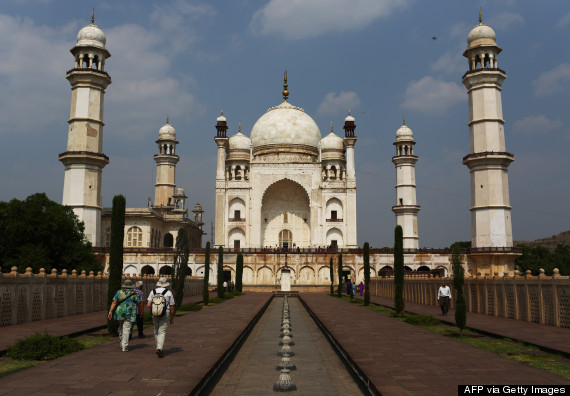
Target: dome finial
<point>348,111</point>
<point>480,16</point>
<point>285,92</point>
<point>93,16</point>
<point>239,127</point>
<point>404,119</point>
<point>167,119</point>
<point>222,112</point>
<point>331,127</point>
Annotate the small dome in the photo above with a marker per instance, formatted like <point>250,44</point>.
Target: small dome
<point>349,118</point>
<point>285,125</point>
<point>332,142</point>
<point>221,117</point>
<point>239,142</point>
<point>167,132</point>
<point>91,36</point>
<point>404,133</point>
<point>179,191</point>
<point>481,34</point>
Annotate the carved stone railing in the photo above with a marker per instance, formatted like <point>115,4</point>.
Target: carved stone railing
<point>538,299</point>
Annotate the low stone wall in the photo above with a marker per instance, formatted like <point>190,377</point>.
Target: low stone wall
<point>30,297</point>
<point>538,299</point>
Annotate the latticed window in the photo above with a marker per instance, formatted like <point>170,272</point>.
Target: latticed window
<point>134,237</point>
<point>285,238</point>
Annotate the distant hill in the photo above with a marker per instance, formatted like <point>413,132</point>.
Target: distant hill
<point>550,242</point>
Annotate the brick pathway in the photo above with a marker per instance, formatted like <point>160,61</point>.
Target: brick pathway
<point>402,359</point>
<point>194,344</point>
<point>397,357</point>
<point>549,337</point>
<point>66,326</point>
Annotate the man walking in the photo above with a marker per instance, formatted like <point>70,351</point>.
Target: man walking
<point>162,309</point>
<point>444,296</point>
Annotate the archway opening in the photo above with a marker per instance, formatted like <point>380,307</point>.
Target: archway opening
<point>147,270</point>
<point>166,270</point>
<point>285,206</point>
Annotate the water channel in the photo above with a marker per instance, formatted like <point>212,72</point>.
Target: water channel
<point>319,370</point>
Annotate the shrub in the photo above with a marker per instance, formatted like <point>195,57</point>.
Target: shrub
<point>421,320</point>
<point>216,300</point>
<point>43,347</point>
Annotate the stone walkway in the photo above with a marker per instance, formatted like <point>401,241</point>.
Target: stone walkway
<point>402,359</point>
<point>66,326</point>
<point>194,345</point>
<point>396,357</point>
<point>547,337</point>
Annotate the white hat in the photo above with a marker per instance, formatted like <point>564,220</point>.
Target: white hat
<point>163,282</point>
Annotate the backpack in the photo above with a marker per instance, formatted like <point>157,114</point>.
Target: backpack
<point>158,307</point>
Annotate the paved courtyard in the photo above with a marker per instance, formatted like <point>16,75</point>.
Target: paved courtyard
<point>396,357</point>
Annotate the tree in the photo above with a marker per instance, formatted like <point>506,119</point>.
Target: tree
<point>220,272</point>
<point>239,272</point>
<point>332,276</point>
<point>366,254</point>
<point>206,291</point>
<point>40,233</point>
<point>339,291</point>
<point>180,266</point>
<point>116,255</point>
<point>399,270</point>
<point>534,258</point>
<point>458,281</point>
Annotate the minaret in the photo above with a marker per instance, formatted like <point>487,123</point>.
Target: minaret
<point>222,142</point>
<point>166,161</point>
<point>84,159</point>
<point>488,159</point>
<point>350,140</point>
<point>406,208</point>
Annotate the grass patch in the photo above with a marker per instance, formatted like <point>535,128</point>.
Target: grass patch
<point>11,366</point>
<point>561,369</point>
<point>90,342</point>
<point>503,346</point>
<point>190,307</point>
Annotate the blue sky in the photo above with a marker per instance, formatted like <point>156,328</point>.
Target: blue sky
<point>189,59</point>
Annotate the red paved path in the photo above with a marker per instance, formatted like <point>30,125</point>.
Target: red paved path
<point>402,359</point>
<point>550,337</point>
<point>397,357</point>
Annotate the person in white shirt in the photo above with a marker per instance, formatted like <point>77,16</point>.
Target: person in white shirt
<point>444,297</point>
<point>161,322</point>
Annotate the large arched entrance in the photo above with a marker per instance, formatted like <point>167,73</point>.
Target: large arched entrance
<point>285,215</point>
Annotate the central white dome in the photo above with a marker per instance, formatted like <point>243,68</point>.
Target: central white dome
<point>285,125</point>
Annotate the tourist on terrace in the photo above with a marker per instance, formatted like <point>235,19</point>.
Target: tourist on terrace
<point>444,296</point>
<point>125,300</point>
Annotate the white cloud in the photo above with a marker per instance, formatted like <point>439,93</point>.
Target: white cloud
<point>33,91</point>
<point>552,81</point>
<point>536,125</point>
<point>506,21</point>
<point>143,90</point>
<point>429,95</point>
<point>451,62</point>
<point>564,21</point>
<point>299,19</point>
<point>338,103</point>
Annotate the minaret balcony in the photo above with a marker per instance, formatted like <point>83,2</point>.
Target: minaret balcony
<point>479,77</point>
<point>334,220</point>
<point>406,209</point>
<point>84,157</point>
<point>500,158</point>
<point>404,159</point>
<point>236,220</point>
